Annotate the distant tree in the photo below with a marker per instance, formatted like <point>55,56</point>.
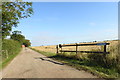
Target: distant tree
<point>16,32</point>
<point>12,12</point>
<point>27,43</point>
<point>16,35</point>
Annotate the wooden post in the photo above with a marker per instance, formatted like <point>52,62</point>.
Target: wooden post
<point>6,53</point>
<point>104,53</point>
<point>57,48</point>
<point>60,46</point>
<point>61,49</point>
<point>76,48</point>
<point>104,48</point>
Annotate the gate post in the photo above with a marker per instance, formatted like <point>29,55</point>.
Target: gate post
<point>76,48</point>
<point>60,46</point>
<point>57,48</point>
<point>104,48</point>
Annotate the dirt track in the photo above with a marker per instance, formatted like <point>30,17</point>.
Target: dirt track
<point>30,64</point>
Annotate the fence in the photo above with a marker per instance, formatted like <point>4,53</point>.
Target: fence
<point>76,45</point>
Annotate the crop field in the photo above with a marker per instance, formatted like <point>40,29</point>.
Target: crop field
<point>112,48</point>
<point>110,59</point>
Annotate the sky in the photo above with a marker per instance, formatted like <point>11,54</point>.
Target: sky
<point>70,22</point>
<point>72,0</point>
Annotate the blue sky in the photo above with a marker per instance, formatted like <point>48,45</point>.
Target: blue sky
<point>70,22</point>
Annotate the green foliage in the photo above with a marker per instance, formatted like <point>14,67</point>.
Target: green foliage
<point>11,46</point>
<point>12,12</point>
<point>18,37</point>
<point>5,62</point>
<point>27,43</point>
<point>12,0</point>
<point>16,32</point>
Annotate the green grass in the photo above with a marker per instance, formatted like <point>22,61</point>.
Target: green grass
<point>7,61</point>
<point>86,65</point>
<point>12,47</point>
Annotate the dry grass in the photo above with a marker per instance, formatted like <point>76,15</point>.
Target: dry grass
<point>46,48</point>
<point>52,48</point>
<point>109,63</point>
<point>110,59</point>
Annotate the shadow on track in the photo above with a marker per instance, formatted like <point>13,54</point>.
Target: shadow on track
<point>45,59</point>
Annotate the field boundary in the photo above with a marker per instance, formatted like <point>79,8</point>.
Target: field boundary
<point>76,47</point>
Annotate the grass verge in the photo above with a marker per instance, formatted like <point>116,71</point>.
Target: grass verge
<point>90,67</point>
<point>8,60</point>
<point>10,48</point>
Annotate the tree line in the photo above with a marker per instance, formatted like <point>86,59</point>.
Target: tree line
<point>16,35</point>
<point>11,13</point>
